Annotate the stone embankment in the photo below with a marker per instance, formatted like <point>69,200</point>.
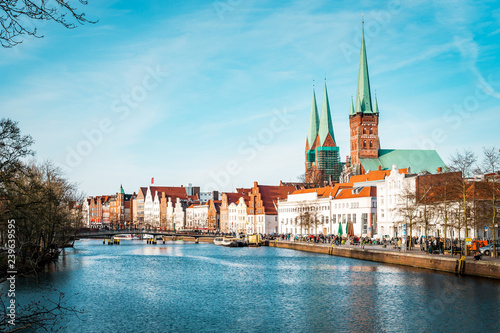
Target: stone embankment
<point>489,268</point>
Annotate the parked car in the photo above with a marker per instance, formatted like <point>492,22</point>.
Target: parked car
<point>488,249</point>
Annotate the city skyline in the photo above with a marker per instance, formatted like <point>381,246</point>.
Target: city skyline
<point>197,90</point>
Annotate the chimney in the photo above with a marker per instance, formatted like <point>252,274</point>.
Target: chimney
<point>255,184</point>
<point>379,168</point>
<point>440,169</point>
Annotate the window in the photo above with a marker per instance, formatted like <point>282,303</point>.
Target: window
<point>371,130</point>
<point>364,223</point>
<point>364,130</point>
<point>334,219</point>
<point>348,217</point>
<point>364,143</point>
<point>371,144</point>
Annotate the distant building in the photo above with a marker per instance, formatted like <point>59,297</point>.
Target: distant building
<point>322,153</point>
<point>153,206</point>
<point>99,211</point>
<point>206,196</point>
<point>213,216</point>
<point>366,152</point>
<point>120,209</point>
<point>228,222</point>
<point>197,217</point>
<point>262,214</point>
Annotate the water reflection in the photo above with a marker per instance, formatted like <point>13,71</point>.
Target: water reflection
<point>136,287</point>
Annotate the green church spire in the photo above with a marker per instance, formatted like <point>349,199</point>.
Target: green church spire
<point>375,109</point>
<point>325,122</point>
<point>313,123</point>
<point>121,190</point>
<point>352,113</point>
<point>363,97</point>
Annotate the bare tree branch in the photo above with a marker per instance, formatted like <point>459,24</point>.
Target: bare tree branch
<point>13,15</point>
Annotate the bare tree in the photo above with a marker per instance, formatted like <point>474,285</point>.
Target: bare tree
<point>443,195</point>
<point>406,210</point>
<point>46,315</point>
<point>14,14</point>
<point>463,162</point>
<point>427,210</point>
<point>491,163</point>
<point>312,179</point>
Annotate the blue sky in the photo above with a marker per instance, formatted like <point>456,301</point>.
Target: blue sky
<point>218,93</point>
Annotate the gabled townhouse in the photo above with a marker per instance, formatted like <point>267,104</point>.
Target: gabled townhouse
<point>99,211</point>
<point>213,216</point>
<point>120,209</point>
<point>152,205</point>
<point>262,207</point>
<point>229,201</point>
<point>85,213</point>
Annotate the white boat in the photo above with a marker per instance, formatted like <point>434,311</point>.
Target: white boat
<point>234,242</point>
<point>218,240</point>
<point>124,236</point>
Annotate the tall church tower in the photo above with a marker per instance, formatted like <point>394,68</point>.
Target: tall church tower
<point>363,119</point>
<point>322,154</point>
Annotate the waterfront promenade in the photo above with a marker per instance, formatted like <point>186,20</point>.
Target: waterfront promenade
<point>486,267</point>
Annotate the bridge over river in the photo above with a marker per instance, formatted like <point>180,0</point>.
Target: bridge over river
<point>152,232</point>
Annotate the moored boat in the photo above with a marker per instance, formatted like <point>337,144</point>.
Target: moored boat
<point>218,240</point>
<point>234,242</point>
<point>124,236</point>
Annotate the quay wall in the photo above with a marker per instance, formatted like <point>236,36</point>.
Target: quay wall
<point>191,239</point>
<point>433,262</point>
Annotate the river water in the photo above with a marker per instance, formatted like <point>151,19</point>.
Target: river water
<point>187,287</point>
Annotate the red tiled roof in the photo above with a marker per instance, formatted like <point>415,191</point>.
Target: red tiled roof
<point>235,197</point>
<point>325,191</point>
<point>347,193</point>
<point>374,175</point>
<point>143,190</point>
<point>270,195</point>
<point>170,191</point>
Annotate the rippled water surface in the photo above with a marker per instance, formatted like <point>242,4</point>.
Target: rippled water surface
<point>184,287</point>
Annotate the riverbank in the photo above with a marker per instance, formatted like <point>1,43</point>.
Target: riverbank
<point>190,239</point>
<point>489,268</point>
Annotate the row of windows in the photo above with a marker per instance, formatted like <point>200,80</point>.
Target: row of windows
<point>315,208</point>
<point>338,218</point>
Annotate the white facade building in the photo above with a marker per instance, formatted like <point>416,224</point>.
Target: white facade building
<point>85,213</point>
<point>197,217</point>
<point>389,197</point>
<point>289,212</point>
<point>329,207</point>
<point>175,214</point>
